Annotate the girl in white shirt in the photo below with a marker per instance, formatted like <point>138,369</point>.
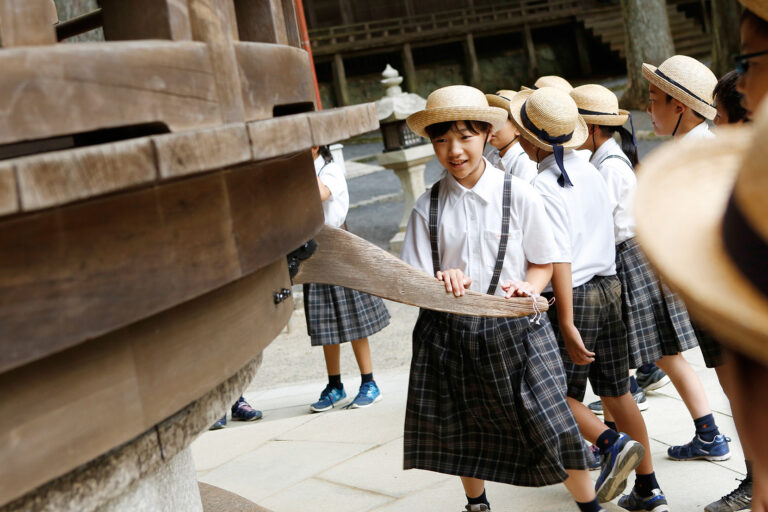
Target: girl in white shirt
<point>336,314</point>
<point>506,153</point>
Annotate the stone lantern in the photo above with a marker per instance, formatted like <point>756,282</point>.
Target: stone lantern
<point>404,152</point>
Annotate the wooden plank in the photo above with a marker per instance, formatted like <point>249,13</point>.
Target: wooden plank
<point>274,137</point>
<point>344,259</point>
<point>151,369</point>
<point>146,19</point>
<point>266,69</point>
<point>9,200</point>
<point>27,23</point>
<point>212,22</point>
<point>265,195</point>
<point>291,23</point>
<point>328,126</point>
<point>64,89</point>
<point>61,177</point>
<point>77,272</point>
<point>261,21</point>
<point>182,154</point>
<point>361,119</point>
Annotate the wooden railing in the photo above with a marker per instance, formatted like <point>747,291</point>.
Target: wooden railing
<point>379,32</point>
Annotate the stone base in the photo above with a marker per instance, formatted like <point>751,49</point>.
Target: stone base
<point>396,243</point>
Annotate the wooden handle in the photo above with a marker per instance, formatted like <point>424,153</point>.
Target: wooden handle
<point>347,260</point>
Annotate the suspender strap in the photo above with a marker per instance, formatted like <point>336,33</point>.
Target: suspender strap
<point>433,203</point>
<point>626,161</point>
<point>505,218</point>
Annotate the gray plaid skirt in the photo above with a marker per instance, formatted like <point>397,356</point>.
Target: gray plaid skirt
<point>656,320</point>
<point>336,314</point>
<point>597,316</point>
<point>486,399</point>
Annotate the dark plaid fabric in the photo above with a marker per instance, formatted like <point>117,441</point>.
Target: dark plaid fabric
<point>657,323</point>
<point>486,399</point>
<point>710,347</point>
<point>597,316</point>
<point>336,314</point>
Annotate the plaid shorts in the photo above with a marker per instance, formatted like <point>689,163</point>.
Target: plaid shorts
<point>710,347</point>
<point>597,316</point>
<point>486,399</point>
<point>336,314</point>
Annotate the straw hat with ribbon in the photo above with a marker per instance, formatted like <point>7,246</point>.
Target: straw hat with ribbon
<point>555,81</point>
<point>456,103</point>
<point>599,105</point>
<point>759,7</point>
<point>687,80</point>
<point>549,119</point>
<point>501,99</point>
<point>702,220</point>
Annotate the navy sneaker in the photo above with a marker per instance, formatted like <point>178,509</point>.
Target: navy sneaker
<point>642,403</point>
<point>242,411</point>
<point>219,424</point>
<point>595,464</point>
<point>369,394</point>
<point>700,449</point>
<point>654,379</point>
<point>617,462</point>
<point>738,499</point>
<point>656,502</point>
<point>328,398</point>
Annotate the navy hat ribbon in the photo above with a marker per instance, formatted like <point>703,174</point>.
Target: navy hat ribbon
<point>556,142</point>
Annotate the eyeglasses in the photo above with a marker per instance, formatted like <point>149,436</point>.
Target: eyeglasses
<point>742,61</point>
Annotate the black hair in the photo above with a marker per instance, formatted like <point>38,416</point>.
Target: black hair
<point>326,154</point>
<point>760,24</point>
<point>439,129</point>
<point>627,142</point>
<point>726,95</point>
<point>669,98</point>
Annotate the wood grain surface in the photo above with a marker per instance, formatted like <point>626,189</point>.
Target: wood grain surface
<point>344,259</point>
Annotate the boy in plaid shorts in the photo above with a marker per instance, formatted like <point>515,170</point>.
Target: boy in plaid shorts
<point>486,397</point>
<point>587,315</point>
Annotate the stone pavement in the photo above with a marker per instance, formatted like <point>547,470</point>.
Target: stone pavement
<point>351,460</point>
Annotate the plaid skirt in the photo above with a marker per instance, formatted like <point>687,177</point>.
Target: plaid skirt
<point>486,399</point>
<point>710,347</point>
<point>336,314</point>
<point>657,322</point>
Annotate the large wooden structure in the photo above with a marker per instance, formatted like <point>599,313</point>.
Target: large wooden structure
<point>151,187</point>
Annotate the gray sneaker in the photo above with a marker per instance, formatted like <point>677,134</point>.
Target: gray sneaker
<point>738,499</point>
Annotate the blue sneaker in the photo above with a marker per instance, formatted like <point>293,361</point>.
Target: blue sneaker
<point>242,411</point>
<point>328,398</point>
<point>594,465</point>
<point>656,502</point>
<point>220,424</point>
<point>700,449</point>
<point>617,462</point>
<point>369,394</point>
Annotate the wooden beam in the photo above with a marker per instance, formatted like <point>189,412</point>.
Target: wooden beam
<point>146,19</point>
<point>27,23</point>
<point>411,80</point>
<point>582,50</point>
<point>291,23</point>
<point>77,272</point>
<point>530,49</point>
<point>80,88</point>
<point>340,81</point>
<point>261,21</point>
<point>153,369</point>
<point>9,200</point>
<point>213,22</point>
<point>472,67</point>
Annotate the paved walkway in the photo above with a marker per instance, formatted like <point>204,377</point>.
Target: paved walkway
<point>351,460</point>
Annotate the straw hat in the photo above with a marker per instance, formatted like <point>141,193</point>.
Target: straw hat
<point>501,98</point>
<point>759,7</point>
<point>687,80</point>
<point>551,81</point>
<point>551,111</point>
<point>599,105</point>
<point>694,239</point>
<point>456,103</point>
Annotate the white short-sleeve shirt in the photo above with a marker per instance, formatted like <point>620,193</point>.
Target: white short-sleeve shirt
<point>700,131</point>
<point>618,174</point>
<point>335,208</point>
<point>581,217</point>
<point>469,230</point>
<point>515,161</point>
